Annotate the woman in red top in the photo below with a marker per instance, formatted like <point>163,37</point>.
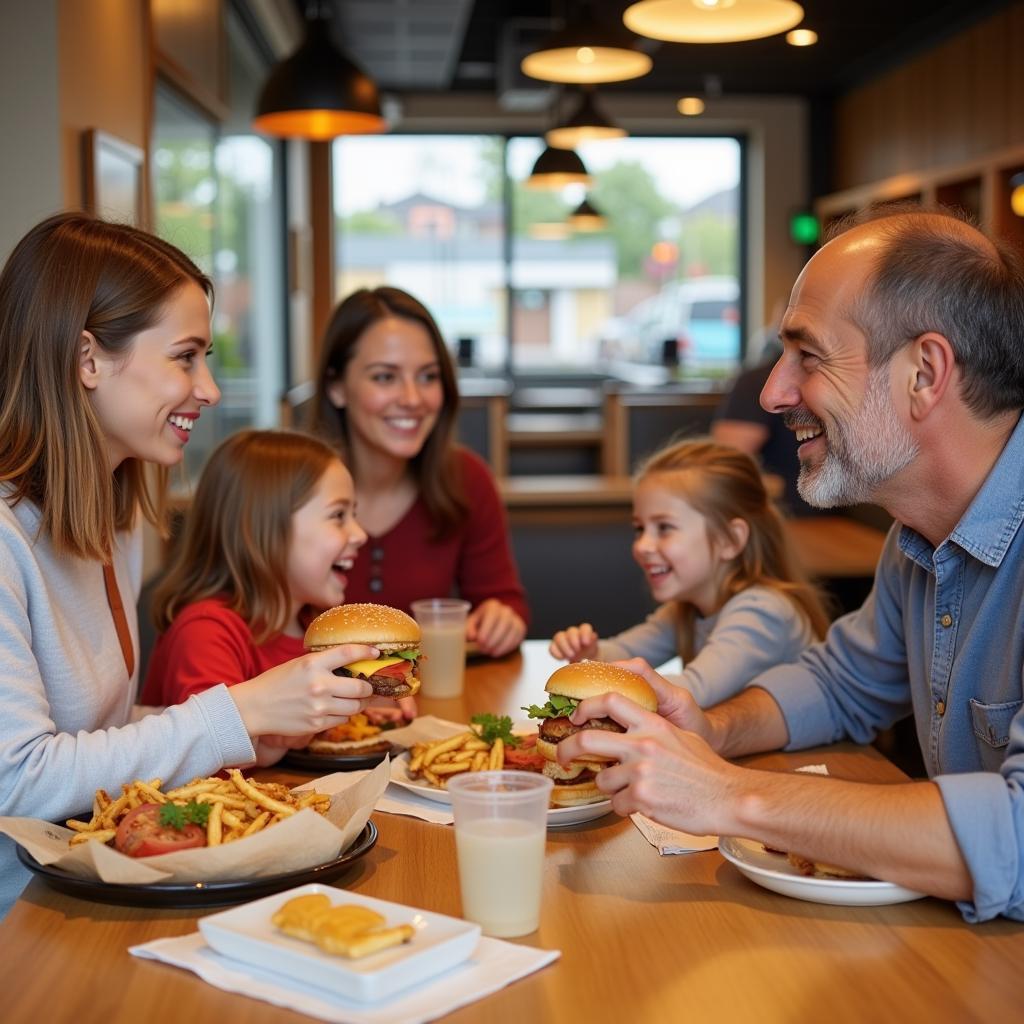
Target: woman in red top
<point>388,397</point>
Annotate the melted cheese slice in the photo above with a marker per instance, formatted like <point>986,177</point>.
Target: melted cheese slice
<point>369,667</point>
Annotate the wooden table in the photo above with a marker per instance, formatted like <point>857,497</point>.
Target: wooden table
<point>643,938</point>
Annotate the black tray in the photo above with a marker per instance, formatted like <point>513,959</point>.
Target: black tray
<point>322,764</point>
<point>198,894</point>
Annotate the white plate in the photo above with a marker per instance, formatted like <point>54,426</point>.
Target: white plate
<point>440,943</point>
<point>773,871</point>
<point>558,817</point>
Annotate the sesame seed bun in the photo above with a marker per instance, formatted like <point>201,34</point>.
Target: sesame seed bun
<point>592,678</point>
<point>376,625</point>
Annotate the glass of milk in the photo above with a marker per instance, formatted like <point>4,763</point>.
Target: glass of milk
<point>500,828</point>
<point>442,622</point>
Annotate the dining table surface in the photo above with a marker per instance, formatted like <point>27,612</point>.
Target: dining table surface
<point>643,937</point>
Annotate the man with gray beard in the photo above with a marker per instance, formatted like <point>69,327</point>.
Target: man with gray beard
<point>902,379</point>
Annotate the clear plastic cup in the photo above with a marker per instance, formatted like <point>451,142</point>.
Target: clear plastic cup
<point>500,830</point>
<point>442,622</point>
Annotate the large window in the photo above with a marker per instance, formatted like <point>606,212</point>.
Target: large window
<point>216,196</point>
<point>452,220</point>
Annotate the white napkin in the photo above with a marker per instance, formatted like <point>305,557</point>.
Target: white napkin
<point>669,841</point>
<point>494,965</point>
<point>400,801</point>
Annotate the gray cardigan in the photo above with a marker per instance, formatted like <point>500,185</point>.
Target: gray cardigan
<point>67,724</point>
<point>753,631</point>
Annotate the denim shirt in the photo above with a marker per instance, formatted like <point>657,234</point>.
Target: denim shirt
<point>941,634</point>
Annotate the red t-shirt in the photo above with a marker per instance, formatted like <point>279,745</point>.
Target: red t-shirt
<point>207,644</point>
<point>474,562</point>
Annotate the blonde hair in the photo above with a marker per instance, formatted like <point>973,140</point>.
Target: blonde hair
<point>723,484</point>
<point>236,538</point>
<point>69,274</point>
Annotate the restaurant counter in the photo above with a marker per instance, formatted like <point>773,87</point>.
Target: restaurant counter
<point>643,937</point>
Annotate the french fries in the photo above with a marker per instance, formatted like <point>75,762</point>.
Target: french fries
<point>238,807</point>
<point>438,760</point>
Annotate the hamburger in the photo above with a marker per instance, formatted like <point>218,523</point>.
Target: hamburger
<point>576,783</point>
<point>395,634</point>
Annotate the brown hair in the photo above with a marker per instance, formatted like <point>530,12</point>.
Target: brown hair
<point>69,274</point>
<point>236,537</point>
<point>723,484</point>
<point>435,467</point>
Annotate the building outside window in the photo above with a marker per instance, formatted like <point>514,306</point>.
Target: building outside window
<point>658,284</point>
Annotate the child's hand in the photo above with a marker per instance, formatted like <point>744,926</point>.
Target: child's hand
<point>386,709</point>
<point>575,643</point>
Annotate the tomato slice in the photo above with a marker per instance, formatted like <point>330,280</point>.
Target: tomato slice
<point>140,834</point>
<point>525,758</point>
<point>399,671</point>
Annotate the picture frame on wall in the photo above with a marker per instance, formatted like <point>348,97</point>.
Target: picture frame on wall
<point>112,182</point>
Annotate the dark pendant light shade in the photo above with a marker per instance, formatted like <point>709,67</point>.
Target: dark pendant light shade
<point>318,93</point>
<point>556,168</point>
<point>588,123</point>
<point>587,217</point>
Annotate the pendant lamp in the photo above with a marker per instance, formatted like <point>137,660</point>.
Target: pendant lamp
<point>587,51</point>
<point>586,124</point>
<point>556,168</point>
<point>586,217</point>
<point>318,93</point>
<point>711,21</point>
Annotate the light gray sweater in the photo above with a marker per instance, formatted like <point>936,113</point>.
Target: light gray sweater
<point>755,630</point>
<point>66,702</point>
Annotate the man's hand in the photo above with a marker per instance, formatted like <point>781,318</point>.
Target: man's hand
<point>667,773</point>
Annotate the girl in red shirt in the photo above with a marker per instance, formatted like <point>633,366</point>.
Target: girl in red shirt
<point>271,537</point>
<point>388,397</point>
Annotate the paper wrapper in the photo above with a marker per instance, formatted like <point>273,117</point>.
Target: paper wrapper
<point>304,840</point>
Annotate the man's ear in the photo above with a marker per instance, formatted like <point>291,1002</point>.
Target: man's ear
<point>932,366</point>
<point>88,360</point>
<point>739,533</point>
<point>336,393</point>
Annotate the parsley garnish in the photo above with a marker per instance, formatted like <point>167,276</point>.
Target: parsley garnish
<point>556,707</point>
<point>494,728</point>
<point>176,816</point>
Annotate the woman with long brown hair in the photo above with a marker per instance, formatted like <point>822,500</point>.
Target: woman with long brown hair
<point>388,398</point>
<point>732,601</point>
<point>104,338</point>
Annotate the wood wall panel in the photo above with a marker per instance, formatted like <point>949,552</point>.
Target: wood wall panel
<point>956,103</point>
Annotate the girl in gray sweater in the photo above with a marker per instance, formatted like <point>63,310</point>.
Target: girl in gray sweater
<point>714,553</point>
<point>104,336</point>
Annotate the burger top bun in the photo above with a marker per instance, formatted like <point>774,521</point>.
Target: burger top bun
<point>376,625</point>
<point>592,678</point>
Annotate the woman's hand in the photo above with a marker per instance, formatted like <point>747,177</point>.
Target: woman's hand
<point>271,748</point>
<point>495,628</point>
<point>304,696</point>
<point>574,643</point>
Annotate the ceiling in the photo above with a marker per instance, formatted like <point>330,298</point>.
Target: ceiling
<point>475,45</point>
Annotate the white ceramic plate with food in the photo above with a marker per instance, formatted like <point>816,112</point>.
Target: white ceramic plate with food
<point>247,934</point>
<point>774,871</point>
<point>558,817</point>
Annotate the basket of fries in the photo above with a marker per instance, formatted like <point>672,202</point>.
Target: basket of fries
<point>251,830</point>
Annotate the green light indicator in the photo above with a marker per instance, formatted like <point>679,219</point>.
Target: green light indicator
<point>804,228</point>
